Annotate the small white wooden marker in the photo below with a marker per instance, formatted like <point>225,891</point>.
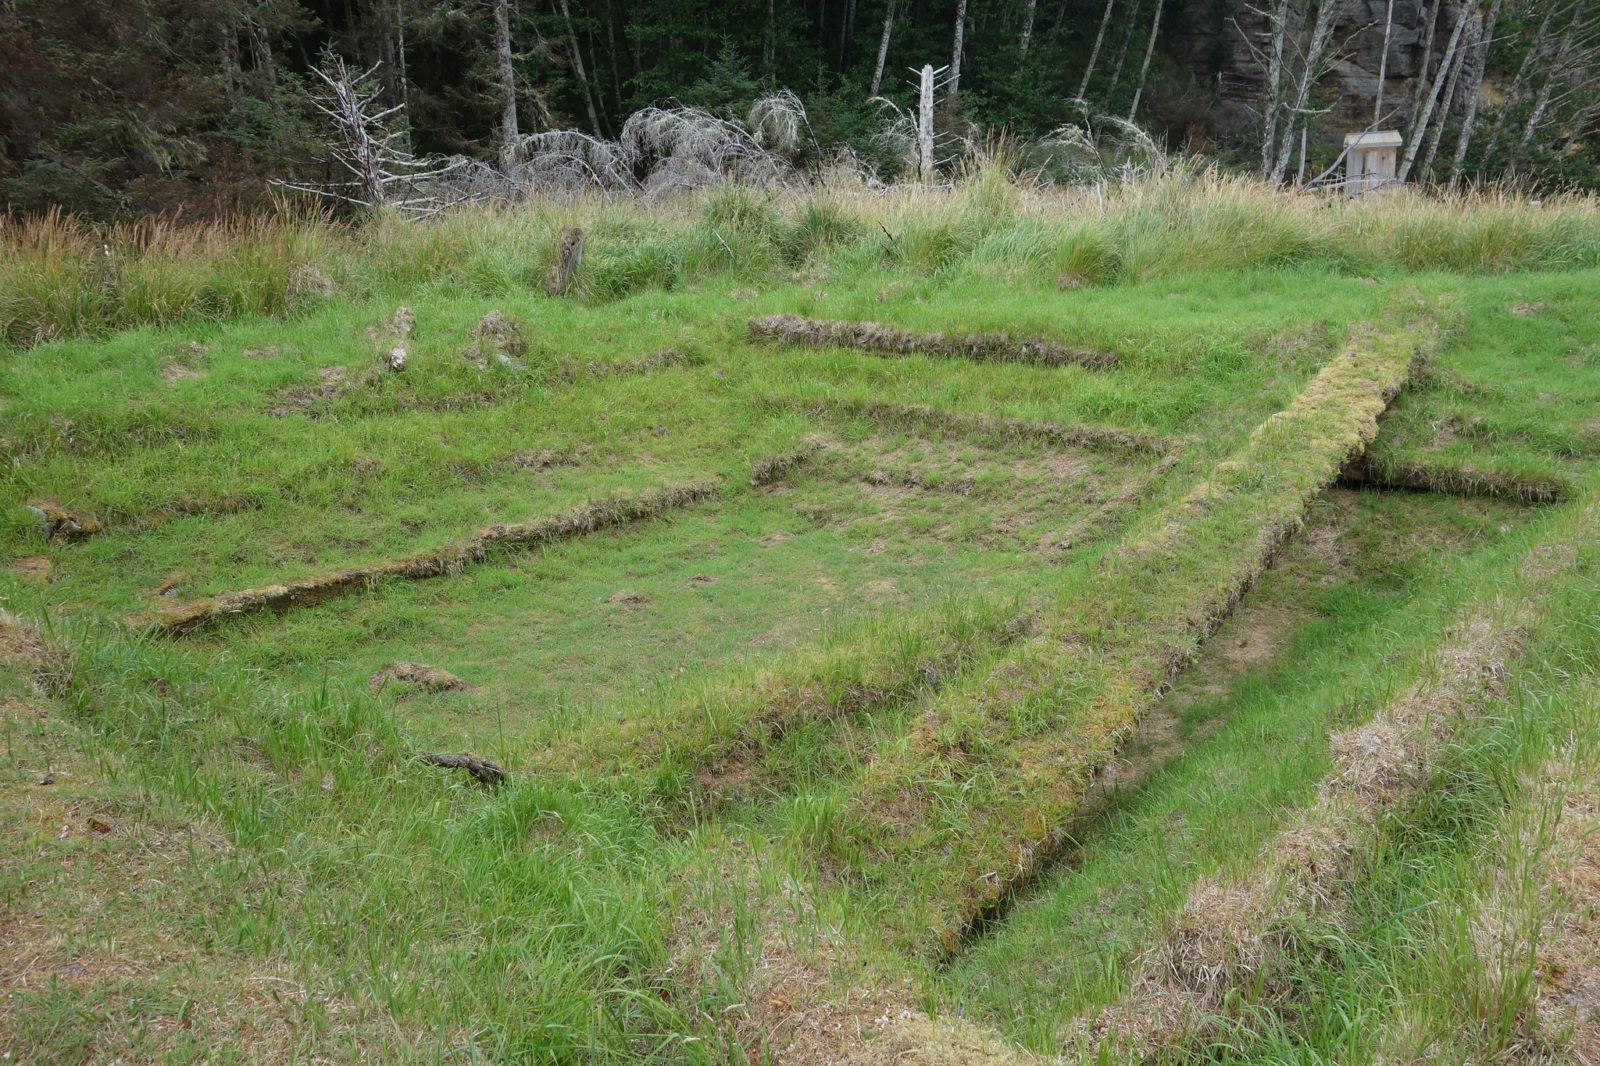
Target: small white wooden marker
<point>1370,160</point>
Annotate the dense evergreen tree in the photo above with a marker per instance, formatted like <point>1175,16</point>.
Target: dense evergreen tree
<point>111,108</point>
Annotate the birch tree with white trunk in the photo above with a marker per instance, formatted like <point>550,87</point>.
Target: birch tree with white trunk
<point>1026,37</point>
<point>1383,64</point>
<point>1094,53</point>
<point>1560,68</point>
<point>1328,13</point>
<point>1480,65</point>
<point>1272,104</point>
<point>955,52</point>
<point>1518,88</point>
<point>883,47</point>
<point>578,67</point>
<point>1447,102</point>
<point>1419,125</point>
<point>1144,68</point>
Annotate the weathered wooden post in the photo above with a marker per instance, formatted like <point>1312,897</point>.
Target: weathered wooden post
<point>569,256</point>
<point>925,126</point>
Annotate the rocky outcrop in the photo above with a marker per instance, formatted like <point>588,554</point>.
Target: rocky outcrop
<point>1224,45</point>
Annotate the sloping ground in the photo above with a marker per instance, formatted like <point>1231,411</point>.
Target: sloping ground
<point>1326,636</point>
<point>1511,415</point>
<point>1540,905</point>
<point>1232,937</point>
<point>968,803</point>
<point>419,916</point>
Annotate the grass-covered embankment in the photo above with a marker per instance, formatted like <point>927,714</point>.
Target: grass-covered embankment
<point>969,801</point>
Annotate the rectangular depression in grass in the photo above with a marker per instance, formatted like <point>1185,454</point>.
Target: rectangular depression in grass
<point>875,526</point>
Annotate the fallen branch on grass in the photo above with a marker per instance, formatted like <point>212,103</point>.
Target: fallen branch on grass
<point>886,340</point>
<point>485,771</point>
<point>418,675</point>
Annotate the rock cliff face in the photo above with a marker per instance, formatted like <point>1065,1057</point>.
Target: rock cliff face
<point>1223,46</point>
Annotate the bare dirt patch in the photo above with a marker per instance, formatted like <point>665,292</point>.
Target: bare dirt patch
<point>332,382</point>
<point>35,569</point>
<point>173,373</point>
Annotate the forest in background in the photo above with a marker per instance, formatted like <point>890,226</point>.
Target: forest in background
<point>119,109</point>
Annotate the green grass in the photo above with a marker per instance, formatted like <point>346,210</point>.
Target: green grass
<point>966,804</point>
<point>1310,651</point>
<point>240,859</point>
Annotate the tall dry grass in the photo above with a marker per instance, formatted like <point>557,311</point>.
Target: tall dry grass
<point>64,278</point>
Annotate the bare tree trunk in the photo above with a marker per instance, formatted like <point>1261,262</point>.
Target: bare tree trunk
<point>883,47</point>
<point>228,59</point>
<point>1144,69</point>
<point>1127,41</point>
<point>398,16</point>
<point>1480,64</point>
<point>1279,22</point>
<point>1419,124</point>
<point>397,51</point>
<point>1027,32</point>
<point>955,52</point>
<point>1519,84</point>
<point>261,53</point>
<point>1094,53</point>
<point>847,25</point>
<point>1321,33</point>
<point>577,67</point>
<point>1383,65</point>
<point>509,133</point>
<point>599,93</point>
<point>769,43</point>
<point>616,57</point>
<point>1460,61</point>
<point>1542,102</point>
<point>1430,28</point>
